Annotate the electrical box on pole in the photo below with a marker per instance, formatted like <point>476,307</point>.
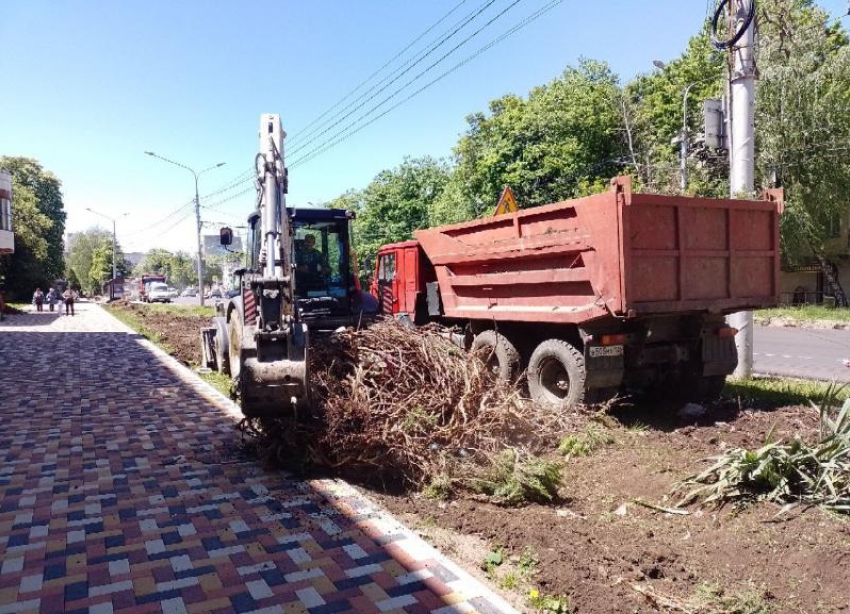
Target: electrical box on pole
<point>714,122</point>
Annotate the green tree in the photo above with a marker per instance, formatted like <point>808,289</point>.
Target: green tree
<point>81,258</point>
<point>556,144</point>
<point>394,204</point>
<point>39,222</point>
<point>47,190</point>
<point>803,125</point>
<point>101,266</point>
<point>24,270</point>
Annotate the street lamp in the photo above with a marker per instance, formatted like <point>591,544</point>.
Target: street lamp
<point>197,215</point>
<point>683,147</point>
<point>111,219</point>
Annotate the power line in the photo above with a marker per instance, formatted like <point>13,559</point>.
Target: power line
<point>342,136</point>
<point>160,221</point>
<point>374,74</point>
<point>343,115</point>
<point>239,179</point>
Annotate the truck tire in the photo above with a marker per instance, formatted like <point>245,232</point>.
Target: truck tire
<point>499,354</point>
<point>557,375</point>
<point>222,343</point>
<point>235,346</point>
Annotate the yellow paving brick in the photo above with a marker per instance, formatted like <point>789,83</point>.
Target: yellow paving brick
<point>144,586</point>
<point>208,606</point>
<point>323,585</point>
<point>295,607</point>
<point>9,595</point>
<point>210,582</point>
<point>374,592</point>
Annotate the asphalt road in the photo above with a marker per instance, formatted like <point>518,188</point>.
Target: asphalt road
<point>795,352</point>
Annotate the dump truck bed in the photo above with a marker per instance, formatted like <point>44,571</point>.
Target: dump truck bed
<point>612,254</point>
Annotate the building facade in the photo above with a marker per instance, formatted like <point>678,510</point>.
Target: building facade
<point>7,237</point>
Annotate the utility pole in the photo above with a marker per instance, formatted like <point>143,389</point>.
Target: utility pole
<point>197,216</point>
<point>742,155</point>
<point>114,241</point>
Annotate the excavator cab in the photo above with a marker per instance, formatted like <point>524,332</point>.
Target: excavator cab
<point>326,295</point>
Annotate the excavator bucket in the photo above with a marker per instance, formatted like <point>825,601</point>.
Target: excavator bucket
<point>273,379</point>
<point>273,389</point>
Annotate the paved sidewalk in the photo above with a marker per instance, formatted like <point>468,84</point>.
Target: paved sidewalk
<point>121,490</point>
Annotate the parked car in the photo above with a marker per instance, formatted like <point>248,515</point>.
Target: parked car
<point>158,292</point>
<point>190,292</point>
<point>173,292</point>
<point>214,293</point>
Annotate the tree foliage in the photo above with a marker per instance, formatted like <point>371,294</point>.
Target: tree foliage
<point>179,268</point>
<point>394,204</point>
<point>39,224</point>
<point>564,140</point>
<point>90,259</point>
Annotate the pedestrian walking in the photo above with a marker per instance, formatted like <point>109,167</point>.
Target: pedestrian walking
<point>52,298</point>
<point>38,299</point>
<point>69,297</point>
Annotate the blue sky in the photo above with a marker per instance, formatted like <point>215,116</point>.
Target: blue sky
<point>89,86</point>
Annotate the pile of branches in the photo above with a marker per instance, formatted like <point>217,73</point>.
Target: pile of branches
<point>405,405</point>
<point>787,473</point>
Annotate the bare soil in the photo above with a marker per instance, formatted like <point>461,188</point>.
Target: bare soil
<point>178,333</point>
<point>598,545</point>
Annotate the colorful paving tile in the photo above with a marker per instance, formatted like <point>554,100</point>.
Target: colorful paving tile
<point>121,491</point>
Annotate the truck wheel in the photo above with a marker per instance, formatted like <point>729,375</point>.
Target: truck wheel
<point>235,346</point>
<point>556,375</point>
<point>499,354</point>
<point>222,342</point>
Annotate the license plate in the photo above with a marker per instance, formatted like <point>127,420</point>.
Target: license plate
<point>606,350</point>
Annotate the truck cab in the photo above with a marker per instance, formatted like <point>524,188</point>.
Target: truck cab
<point>403,276</point>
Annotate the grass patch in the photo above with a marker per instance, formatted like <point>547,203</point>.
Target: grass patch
<point>439,488</point>
<point>585,443</point>
<point>556,604</point>
<point>779,392</point>
<point>133,321</point>
<point>207,311</point>
<point>220,382</point>
<point>711,598</point>
<point>810,313</point>
<point>515,478</point>
<point>24,306</point>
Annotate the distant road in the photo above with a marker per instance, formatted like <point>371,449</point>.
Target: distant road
<point>796,352</point>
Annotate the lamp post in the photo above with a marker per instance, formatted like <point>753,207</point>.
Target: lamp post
<point>195,174</point>
<point>683,147</point>
<point>111,219</point>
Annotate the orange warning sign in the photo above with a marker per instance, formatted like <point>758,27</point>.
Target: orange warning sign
<point>507,203</point>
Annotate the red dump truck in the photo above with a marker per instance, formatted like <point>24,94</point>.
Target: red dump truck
<point>588,297</point>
